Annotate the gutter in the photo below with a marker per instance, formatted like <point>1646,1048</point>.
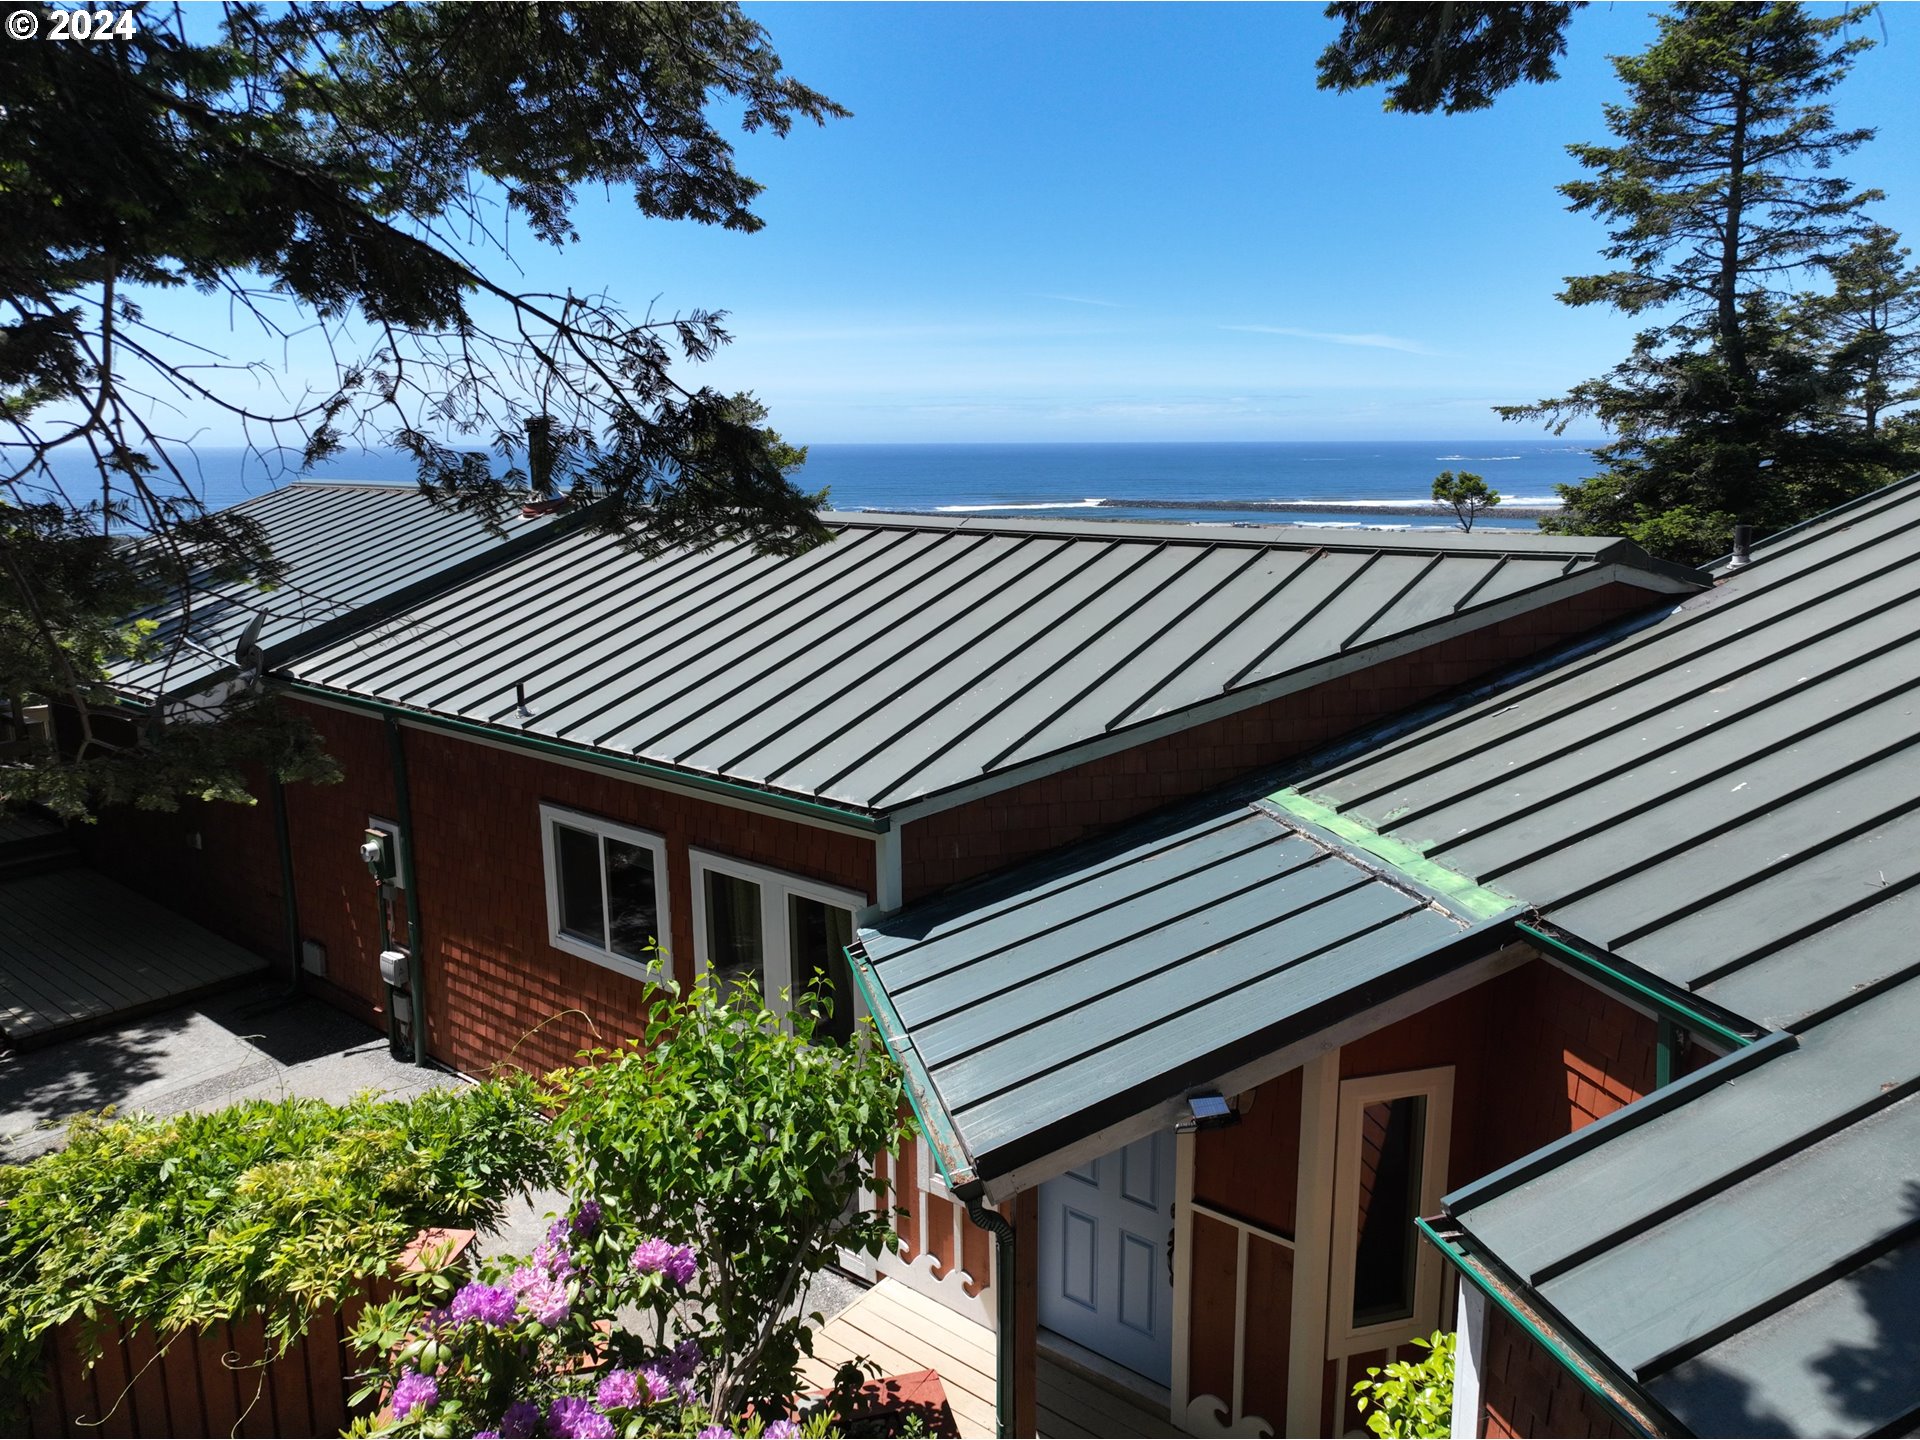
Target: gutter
<point>1609,1389</point>
<point>542,745</point>
<point>920,1095</point>
<point>941,1139</point>
<point>1619,976</point>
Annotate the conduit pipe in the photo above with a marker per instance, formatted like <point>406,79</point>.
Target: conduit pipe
<point>404,863</point>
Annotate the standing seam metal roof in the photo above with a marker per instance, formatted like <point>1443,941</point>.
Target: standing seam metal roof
<point>348,549</point>
<point>1729,800</point>
<point>1033,1008</point>
<point>915,656</point>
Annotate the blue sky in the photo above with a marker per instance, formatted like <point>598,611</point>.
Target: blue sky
<point>1143,222</point>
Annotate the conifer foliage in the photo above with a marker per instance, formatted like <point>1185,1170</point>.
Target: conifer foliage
<point>1722,207</point>
<point>357,177</point>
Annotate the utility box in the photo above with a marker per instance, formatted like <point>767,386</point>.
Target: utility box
<point>377,851</point>
<point>394,969</point>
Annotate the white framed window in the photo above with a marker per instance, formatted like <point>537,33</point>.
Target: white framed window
<point>606,892</point>
<point>786,934</point>
<point>1390,1165</point>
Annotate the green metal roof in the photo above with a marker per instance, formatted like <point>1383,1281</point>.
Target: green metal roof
<point>353,552</point>
<point>1036,1008</point>
<point>1726,802</point>
<point>914,659</point>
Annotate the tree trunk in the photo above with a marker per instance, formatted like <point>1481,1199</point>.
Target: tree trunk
<point>1732,342</point>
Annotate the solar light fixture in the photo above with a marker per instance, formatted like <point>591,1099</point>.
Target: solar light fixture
<point>1206,1111</point>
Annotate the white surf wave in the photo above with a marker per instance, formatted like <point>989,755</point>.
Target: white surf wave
<point>1044,505</point>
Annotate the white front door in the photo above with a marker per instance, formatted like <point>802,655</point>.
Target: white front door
<point>1106,1276</point>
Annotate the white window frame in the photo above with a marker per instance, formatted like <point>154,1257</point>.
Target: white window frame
<point>656,845</point>
<point>775,887</point>
<point>1436,1086</point>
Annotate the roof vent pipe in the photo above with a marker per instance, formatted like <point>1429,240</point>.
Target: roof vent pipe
<point>1742,547</point>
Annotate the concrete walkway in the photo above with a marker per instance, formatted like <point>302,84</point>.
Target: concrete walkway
<point>244,1044</point>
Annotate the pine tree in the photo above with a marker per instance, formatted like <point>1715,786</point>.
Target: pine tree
<point>1720,199</point>
<point>1868,329</point>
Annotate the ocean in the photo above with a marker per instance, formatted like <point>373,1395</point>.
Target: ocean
<point>1367,484</point>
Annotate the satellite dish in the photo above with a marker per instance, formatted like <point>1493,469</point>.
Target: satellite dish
<point>247,654</point>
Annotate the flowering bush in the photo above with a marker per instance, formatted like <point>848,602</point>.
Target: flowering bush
<point>713,1174</point>
<point>532,1347</point>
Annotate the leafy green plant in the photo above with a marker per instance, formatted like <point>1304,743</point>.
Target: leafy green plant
<point>1412,1398</point>
<point>713,1168</point>
<point>268,1207</point>
<point>751,1144</point>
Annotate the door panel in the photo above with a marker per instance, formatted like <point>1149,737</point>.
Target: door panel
<point>1078,1259</point>
<point>1105,1281</point>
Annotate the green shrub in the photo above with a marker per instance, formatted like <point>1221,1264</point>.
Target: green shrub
<point>1412,1398</point>
<point>712,1172</point>
<point>750,1143</point>
<point>274,1207</point>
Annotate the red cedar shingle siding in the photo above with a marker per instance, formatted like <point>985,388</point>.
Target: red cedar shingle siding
<point>1525,1392</point>
<point>494,985</point>
<point>493,979</point>
<point>229,883</point>
<point>1027,820</point>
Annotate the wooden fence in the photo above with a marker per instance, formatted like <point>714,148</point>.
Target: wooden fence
<point>217,1380</point>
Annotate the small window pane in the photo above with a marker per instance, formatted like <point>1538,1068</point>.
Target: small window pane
<point>581,914</point>
<point>820,935</point>
<point>735,946</point>
<point>634,921</point>
<point>1392,1140</point>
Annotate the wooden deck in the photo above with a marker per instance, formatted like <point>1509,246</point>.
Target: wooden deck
<point>78,950</point>
<point>902,1331</point>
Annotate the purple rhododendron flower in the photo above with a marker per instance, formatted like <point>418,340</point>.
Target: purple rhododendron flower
<point>414,1392</point>
<point>575,1416</point>
<point>677,1263</point>
<point>622,1390</point>
<point>486,1435</point>
<point>781,1430</point>
<point>588,1219</point>
<point>682,1359</point>
<point>715,1432</point>
<point>554,1259</point>
<point>520,1420</point>
<point>545,1299</point>
<point>659,1384</point>
<point>559,1232</point>
<point>488,1304</point>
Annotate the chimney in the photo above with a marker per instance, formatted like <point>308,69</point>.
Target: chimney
<point>1742,547</point>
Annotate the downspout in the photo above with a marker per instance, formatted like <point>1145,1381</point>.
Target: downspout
<point>1001,1228</point>
<point>403,813</point>
<point>296,980</point>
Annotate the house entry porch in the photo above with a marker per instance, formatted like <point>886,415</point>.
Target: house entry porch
<point>901,1330</point>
